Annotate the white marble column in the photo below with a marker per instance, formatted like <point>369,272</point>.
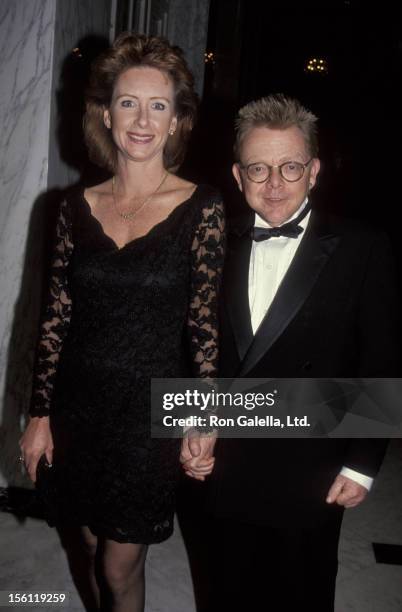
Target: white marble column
<point>26,35</point>
<point>35,38</point>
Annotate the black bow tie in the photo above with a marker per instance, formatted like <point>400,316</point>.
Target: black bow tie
<point>292,229</point>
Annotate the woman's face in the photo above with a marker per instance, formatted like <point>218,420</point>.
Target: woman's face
<point>141,113</point>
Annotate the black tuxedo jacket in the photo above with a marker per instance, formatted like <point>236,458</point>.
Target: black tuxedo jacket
<point>335,314</point>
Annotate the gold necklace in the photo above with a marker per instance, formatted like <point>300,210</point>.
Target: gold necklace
<point>129,215</point>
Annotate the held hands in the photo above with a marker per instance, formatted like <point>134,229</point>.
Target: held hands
<point>346,492</point>
<point>197,454</point>
<point>36,441</point>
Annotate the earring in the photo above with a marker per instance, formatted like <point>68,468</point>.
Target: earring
<point>171,131</point>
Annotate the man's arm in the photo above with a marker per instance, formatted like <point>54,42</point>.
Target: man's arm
<point>361,479</point>
<point>380,356</point>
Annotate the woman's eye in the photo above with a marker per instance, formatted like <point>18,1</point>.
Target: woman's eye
<point>158,106</point>
<point>127,103</point>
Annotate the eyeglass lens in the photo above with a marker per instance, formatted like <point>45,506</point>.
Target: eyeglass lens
<point>290,171</point>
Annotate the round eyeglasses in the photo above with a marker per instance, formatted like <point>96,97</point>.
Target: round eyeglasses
<point>290,171</point>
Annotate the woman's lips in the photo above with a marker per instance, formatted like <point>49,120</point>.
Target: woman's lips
<point>140,138</point>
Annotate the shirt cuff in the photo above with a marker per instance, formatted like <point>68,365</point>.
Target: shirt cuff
<point>365,481</point>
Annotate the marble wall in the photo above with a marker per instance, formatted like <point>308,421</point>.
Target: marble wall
<point>36,39</point>
<point>26,44</point>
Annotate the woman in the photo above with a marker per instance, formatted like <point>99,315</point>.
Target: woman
<point>136,270</point>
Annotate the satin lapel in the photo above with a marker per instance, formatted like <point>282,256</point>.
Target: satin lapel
<point>236,290</point>
<point>311,257</point>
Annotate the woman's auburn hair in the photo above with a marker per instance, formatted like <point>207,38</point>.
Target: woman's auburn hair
<point>130,51</point>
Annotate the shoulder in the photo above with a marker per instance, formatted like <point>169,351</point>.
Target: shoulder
<point>207,200</point>
<point>95,194</point>
<point>181,184</point>
<point>77,199</point>
<point>69,200</point>
<point>177,191</point>
<point>208,206</point>
<point>355,230</point>
<point>209,195</point>
<point>358,244</point>
<point>73,196</point>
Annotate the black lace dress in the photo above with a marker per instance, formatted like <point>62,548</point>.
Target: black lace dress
<point>115,318</point>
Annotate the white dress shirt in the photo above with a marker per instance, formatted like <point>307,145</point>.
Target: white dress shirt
<point>269,262</point>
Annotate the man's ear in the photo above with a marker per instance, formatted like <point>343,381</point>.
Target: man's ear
<point>315,168</point>
<point>237,176</point>
<point>107,120</point>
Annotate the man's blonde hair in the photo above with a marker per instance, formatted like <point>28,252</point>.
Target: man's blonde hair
<point>279,112</point>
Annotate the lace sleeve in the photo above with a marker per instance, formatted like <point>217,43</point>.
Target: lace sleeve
<point>207,253</point>
<point>55,318</point>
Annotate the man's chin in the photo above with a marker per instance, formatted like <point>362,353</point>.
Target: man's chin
<point>275,217</point>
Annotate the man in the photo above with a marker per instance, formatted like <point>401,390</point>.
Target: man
<point>317,299</point>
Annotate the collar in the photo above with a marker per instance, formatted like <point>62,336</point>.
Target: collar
<point>260,222</point>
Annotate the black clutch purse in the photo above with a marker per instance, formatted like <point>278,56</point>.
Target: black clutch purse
<point>46,490</point>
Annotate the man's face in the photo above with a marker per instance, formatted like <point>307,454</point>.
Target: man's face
<point>275,200</point>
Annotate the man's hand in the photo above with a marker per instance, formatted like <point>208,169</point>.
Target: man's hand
<point>197,454</point>
<point>346,492</point>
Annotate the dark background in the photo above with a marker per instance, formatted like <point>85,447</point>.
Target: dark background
<point>263,47</point>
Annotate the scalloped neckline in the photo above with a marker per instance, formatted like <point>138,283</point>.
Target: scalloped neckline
<point>139,238</point>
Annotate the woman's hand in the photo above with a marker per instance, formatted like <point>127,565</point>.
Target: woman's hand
<point>36,441</point>
<point>197,454</point>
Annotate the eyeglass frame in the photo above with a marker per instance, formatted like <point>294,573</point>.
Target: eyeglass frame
<point>280,166</point>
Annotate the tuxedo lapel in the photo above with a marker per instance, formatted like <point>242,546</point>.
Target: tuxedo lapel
<point>313,253</point>
<point>236,285</point>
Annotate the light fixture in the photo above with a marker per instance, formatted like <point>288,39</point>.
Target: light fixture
<point>316,65</point>
<point>209,57</point>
